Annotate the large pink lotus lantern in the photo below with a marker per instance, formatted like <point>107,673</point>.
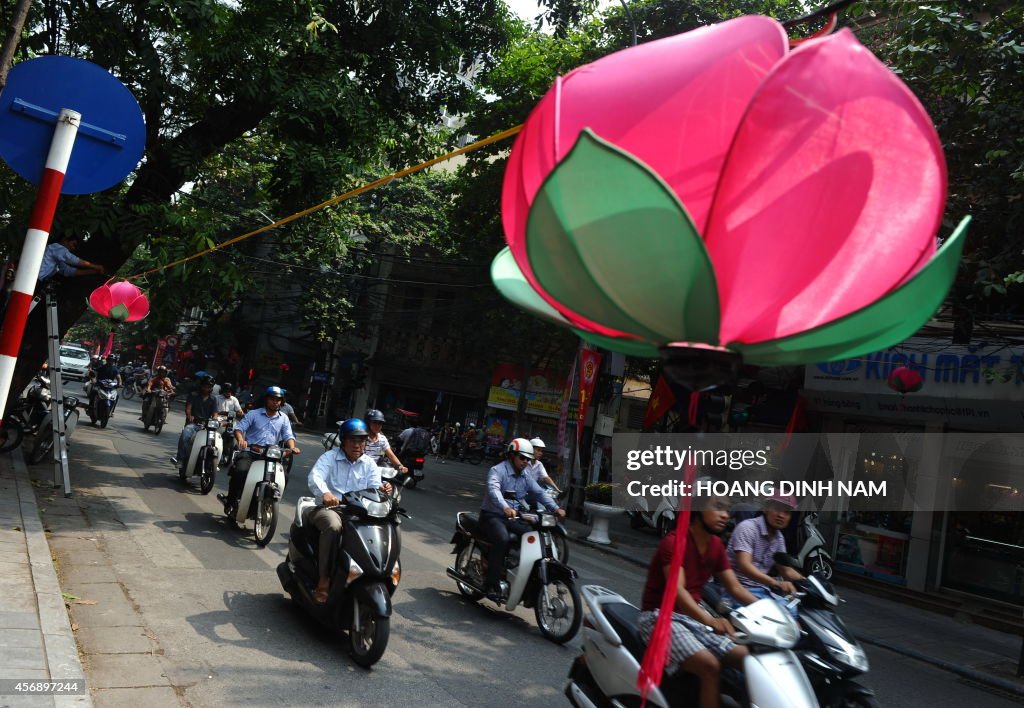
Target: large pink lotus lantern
<point>120,301</point>
<point>717,195</point>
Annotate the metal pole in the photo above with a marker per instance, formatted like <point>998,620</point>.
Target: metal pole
<point>61,470</point>
<point>38,232</point>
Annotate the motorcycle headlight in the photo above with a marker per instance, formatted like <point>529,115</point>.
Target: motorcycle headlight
<point>396,574</point>
<point>843,651</point>
<point>274,453</point>
<point>548,520</point>
<point>212,424</point>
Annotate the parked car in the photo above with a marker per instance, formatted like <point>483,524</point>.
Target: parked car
<point>74,362</point>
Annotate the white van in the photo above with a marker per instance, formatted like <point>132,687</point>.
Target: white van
<point>74,362</point>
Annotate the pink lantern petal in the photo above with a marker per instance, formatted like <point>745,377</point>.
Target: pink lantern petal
<point>100,301</point>
<point>138,308</point>
<point>831,195</point>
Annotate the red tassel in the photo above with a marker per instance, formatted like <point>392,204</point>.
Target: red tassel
<point>653,665</point>
<point>694,402</point>
<point>797,422</point>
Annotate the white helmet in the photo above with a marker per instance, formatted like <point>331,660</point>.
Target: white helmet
<point>537,443</point>
<point>521,446</point>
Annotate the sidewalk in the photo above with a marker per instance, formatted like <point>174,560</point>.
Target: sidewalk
<point>36,641</point>
<point>975,652</point>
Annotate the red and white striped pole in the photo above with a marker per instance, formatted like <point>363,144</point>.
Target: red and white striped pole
<point>35,244</point>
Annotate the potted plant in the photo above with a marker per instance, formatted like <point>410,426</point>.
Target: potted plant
<point>599,505</point>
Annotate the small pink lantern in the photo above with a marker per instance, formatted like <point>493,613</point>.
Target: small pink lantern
<point>120,301</point>
<point>905,380</point>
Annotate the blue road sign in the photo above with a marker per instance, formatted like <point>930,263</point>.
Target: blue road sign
<point>110,140</point>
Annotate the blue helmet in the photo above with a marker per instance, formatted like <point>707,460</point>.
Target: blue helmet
<point>274,391</point>
<point>353,428</point>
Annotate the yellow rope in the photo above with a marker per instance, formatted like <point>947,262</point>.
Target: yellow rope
<point>340,198</point>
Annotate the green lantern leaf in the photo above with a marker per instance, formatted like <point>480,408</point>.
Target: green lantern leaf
<point>611,241</point>
<point>119,312</point>
<point>512,285</point>
<point>645,350</point>
<point>885,322</point>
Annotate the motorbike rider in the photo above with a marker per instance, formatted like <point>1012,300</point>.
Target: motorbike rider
<point>414,439</point>
<point>753,546</point>
<point>260,426</point>
<point>536,468</point>
<point>105,369</point>
<point>227,403</point>
<point>498,514</point>
<point>692,647</point>
<point>159,382</point>
<point>336,473</point>
<point>377,444</point>
<point>199,406</point>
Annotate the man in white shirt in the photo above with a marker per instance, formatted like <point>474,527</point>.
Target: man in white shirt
<point>334,474</point>
<point>536,468</point>
<point>227,403</point>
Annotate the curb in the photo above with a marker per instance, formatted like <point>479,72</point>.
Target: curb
<point>63,662</point>
<point>971,674</point>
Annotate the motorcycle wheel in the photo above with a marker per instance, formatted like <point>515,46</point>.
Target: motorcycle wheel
<point>128,393</point>
<point>561,544</point>
<point>559,614</point>
<point>104,417</point>
<point>158,426</point>
<point>266,521</point>
<point>820,565</point>
<point>664,526</point>
<point>636,522</point>
<point>11,434</point>
<point>461,563</point>
<point>857,696</point>
<point>475,458</point>
<point>43,446</point>
<point>208,476</point>
<point>369,643</point>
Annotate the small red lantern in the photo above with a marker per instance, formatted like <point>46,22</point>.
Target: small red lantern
<point>905,380</point>
<point>120,301</point>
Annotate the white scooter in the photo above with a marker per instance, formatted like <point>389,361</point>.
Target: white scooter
<point>532,575</point>
<point>204,455</point>
<point>606,672</point>
<point>263,488</point>
<point>812,556</point>
<point>662,517</point>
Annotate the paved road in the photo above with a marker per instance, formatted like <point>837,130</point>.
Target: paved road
<point>224,633</point>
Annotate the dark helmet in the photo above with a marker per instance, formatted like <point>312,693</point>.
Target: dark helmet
<point>353,428</point>
<point>206,381</point>
<point>227,388</point>
<point>161,370</point>
<point>275,391</point>
<point>374,416</point>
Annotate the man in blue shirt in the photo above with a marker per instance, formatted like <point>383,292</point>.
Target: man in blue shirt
<point>263,427</point>
<point>59,259</point>
<point>509,491</point>
<point>336,473</point>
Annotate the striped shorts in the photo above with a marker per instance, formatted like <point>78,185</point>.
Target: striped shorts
<point>688,637</point>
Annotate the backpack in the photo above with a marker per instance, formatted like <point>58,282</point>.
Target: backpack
<point>418,442</point>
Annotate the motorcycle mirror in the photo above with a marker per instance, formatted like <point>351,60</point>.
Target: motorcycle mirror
<point>784,559</point>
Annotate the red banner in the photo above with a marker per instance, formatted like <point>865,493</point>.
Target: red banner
<point>563,414</point>
<point>590,367</point>
<point>662,399</point>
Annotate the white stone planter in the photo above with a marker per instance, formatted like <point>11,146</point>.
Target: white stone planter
<point>601,514</point>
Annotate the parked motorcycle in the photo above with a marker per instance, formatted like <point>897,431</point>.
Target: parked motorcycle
<point>102,397</point>
<point>365,575</point>
<point>205,452</point>
<point>533,575</point>
<point>156,413</point>
<point>27,413</point>
<point>263,488</point>
<point>662,517</point>
<point>606,672</point>
<point>44,436</point>
<point>813,557</point>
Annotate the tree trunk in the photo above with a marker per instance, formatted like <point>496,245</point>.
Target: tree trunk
<point>13,37</point>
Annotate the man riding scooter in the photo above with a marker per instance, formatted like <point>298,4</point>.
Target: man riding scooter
<point>699,642</point>
<point>263,427</point>
<point>199,406</point>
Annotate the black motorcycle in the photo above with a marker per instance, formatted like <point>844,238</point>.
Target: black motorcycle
<point>44,437</point>
<point>414,461</point>
<point>26,413</point>
<point>365,575</point>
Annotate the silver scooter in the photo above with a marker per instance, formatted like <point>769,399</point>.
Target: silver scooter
<point>204,454</point>
<point>606,672</point>
<point>812,556</point>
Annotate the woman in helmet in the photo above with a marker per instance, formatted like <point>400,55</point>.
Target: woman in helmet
<point>377,445</point>
<point>509,491</point>
<point>336,473</point>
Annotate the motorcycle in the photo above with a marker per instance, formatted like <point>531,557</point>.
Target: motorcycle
<point>830,654</point>
<point>813,557</point>
<point>227,439</point>
<point>263,488</point>
<point>156,414</point>
<point>102,397</point>
<point>606,672</point>
<point>365,575</point>
<point>414,462</point>
<point>558,535</point>
<point>27,413</point>
<point>471,452</point>
<point>205,452</point>
<point>136,386</point>
<point>662,517</point>
<point>44,437</point>
<point>532,571</point>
